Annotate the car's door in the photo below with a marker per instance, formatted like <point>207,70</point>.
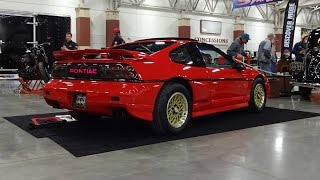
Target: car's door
<point>228,85</point>
<point>191,66</point>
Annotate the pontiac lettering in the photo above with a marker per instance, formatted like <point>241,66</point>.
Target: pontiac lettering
<point>83,71</point>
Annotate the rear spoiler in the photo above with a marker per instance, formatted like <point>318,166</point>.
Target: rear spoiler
<point>116,54</point>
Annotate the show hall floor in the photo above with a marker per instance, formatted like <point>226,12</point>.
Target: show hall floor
<point>285,151</point>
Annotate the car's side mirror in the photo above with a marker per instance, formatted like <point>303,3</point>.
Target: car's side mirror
<point>239,66</point>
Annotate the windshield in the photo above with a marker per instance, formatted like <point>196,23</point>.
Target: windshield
<point>145,47</point>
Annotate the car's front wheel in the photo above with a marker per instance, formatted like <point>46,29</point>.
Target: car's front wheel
<point>258,96</point>
<point>173,109</point>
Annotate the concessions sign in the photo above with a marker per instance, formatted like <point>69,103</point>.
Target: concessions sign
<point>213,40</point>
<point>245,3</point>
<point>289,25</point>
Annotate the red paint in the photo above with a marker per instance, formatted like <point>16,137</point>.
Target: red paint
<point>249,58</point>
<point>39,121</point>
<point>213,90</point>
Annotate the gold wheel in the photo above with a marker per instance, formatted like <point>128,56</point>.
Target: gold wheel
<point>259,95</point>
<point>177,110</point>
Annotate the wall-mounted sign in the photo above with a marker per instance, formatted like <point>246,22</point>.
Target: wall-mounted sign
<point>210,27</point>
<point>245,3</point>
<point>213,40</point>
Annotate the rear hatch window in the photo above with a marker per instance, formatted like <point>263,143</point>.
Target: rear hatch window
<point>145,47</point>
<point>91,71</point>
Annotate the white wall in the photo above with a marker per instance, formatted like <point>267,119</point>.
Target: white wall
<point>98,22</point>
<point>226,31</point>
<point>141,23</point>
<point>258,32</point>
<point>138,23</point>
<point>297,35</point>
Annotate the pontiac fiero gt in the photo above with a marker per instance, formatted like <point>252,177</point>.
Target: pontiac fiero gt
<point>165,81</point>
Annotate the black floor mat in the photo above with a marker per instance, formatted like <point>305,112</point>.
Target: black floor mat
<point>86,138</point>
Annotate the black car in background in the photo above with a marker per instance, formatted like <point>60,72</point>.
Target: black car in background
<point>306,75</point>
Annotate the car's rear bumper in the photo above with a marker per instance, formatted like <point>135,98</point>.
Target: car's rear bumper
<point>103,98</point>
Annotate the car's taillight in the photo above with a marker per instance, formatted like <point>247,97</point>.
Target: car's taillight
<point>110,71</point>
<point>59,71</point>
<point>120,71</point>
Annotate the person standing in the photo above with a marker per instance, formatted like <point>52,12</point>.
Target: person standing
<point>274,58</point>
<point>236,49</point>
<point>69,44</point>
<point>117,38</point>
<point>266,54</point>
<point>299,49</point>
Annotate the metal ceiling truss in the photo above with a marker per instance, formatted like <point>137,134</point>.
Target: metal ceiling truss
<point>227,5</point>
<point>308,13</point>
<point>308,16</point>
<point>207,7</point>
<point>311,15</point>
<point>137,2</point>
<point>309,10</point>
<point>115,4</point>
<point>173,3</point>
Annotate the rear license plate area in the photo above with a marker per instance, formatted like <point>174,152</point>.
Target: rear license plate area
<point>79,101</point>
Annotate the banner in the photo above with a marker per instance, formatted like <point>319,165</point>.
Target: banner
<point>245,3</point>
<point>289,25</point>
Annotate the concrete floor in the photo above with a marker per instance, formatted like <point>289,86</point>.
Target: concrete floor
<point>286,151</point>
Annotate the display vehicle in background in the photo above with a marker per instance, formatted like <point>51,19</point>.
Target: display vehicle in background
<point>306,75</point>
<point>34,64</point>
<point>166,81</point>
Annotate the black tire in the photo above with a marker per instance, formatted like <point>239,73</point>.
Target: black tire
<point>83,116</point>
<point>305,92</point>
<point>43,72</point>
<point>160,123</point>
<point>253,107</point>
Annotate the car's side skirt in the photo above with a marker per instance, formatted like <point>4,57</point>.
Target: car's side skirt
<point>204,79</point>
<point>219,109</point>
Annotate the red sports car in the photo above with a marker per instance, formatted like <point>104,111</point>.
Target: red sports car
<point>165,81</point>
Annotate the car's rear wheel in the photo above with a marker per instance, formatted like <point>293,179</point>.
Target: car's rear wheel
<point>258,96</point>
<point>173,110</point>
<point>83,116</point>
